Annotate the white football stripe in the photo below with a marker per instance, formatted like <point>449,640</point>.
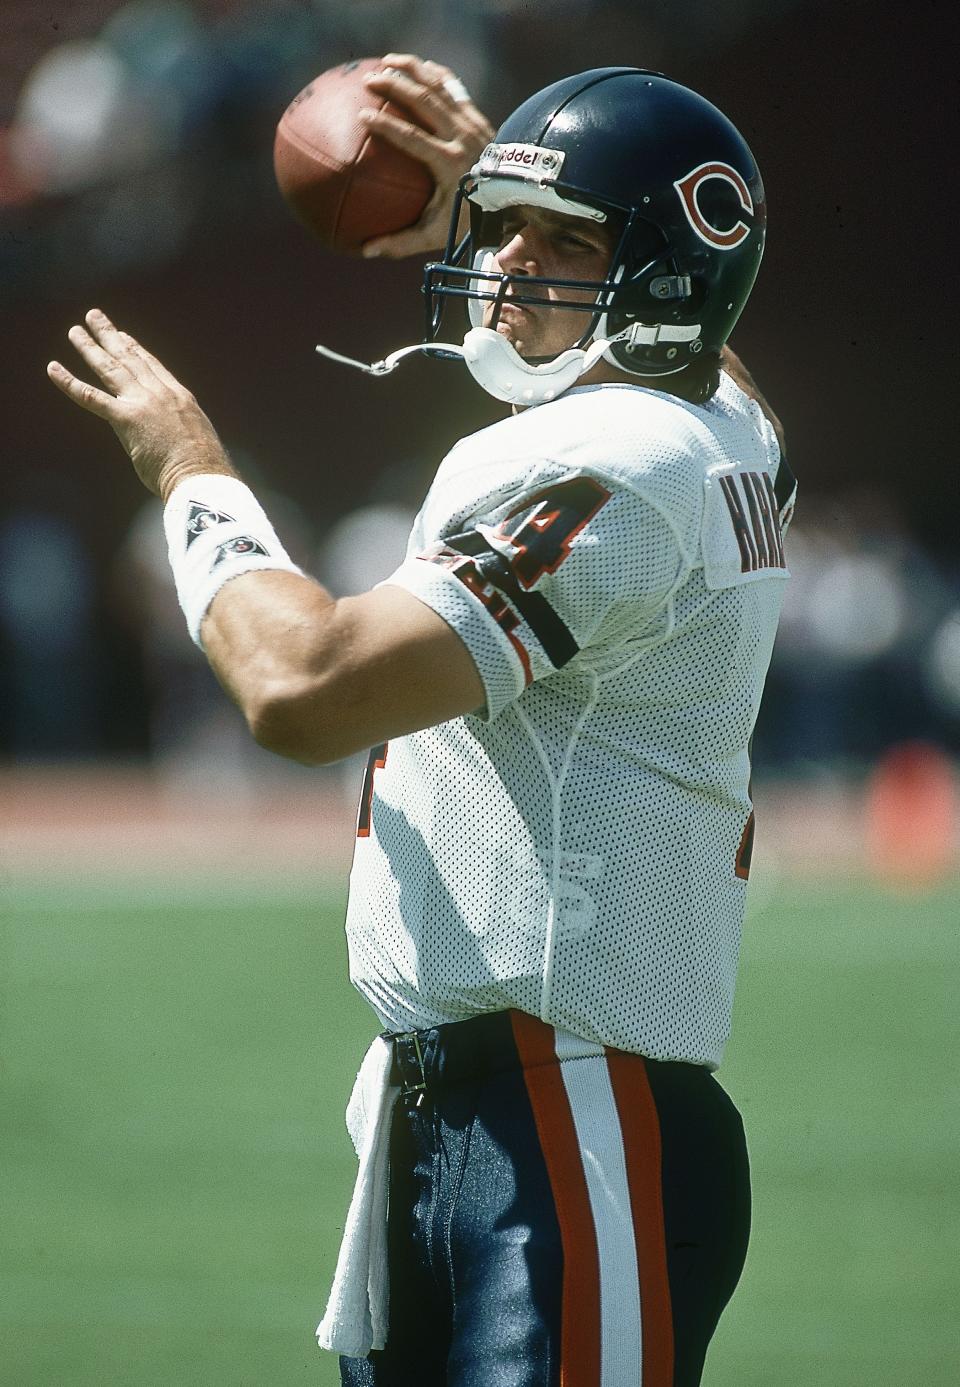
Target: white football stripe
<point>592,1103</point>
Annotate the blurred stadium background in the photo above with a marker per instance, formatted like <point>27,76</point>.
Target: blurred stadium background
<point>177,1036</point>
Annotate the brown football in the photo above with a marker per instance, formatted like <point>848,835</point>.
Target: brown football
<point>344,183</point>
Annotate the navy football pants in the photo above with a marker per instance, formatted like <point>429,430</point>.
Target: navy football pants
<point>560,1215</point>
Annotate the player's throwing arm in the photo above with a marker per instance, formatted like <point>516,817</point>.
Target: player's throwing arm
<point>316,679</point>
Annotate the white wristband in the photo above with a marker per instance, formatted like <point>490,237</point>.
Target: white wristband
<point>216,529</point>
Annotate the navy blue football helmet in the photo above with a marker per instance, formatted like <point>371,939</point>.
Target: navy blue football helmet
<point>668,173</point>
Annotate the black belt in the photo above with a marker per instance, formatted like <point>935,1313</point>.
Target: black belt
<point>452,1053</point>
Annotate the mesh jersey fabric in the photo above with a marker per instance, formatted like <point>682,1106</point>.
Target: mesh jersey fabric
<point>613,561</point>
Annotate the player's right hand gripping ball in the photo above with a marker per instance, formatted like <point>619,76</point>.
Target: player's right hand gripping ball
<point>344,183</point>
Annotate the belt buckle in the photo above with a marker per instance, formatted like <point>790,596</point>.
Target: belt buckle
<point>419,1089</point>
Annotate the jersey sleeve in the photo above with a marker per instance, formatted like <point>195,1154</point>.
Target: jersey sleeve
<point>570,568</point>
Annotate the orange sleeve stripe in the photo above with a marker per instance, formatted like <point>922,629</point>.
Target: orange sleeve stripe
<point>521,650</point>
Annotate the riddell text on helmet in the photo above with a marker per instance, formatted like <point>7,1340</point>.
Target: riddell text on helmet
<point>533,158</point>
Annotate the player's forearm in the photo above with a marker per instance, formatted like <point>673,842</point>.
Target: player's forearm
<point>318,679</point>
<point>270,638</point>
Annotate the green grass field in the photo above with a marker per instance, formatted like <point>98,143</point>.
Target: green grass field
<point>176,1057</point>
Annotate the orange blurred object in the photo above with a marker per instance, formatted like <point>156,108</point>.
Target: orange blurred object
<point>911,816</point>
<point>18,184</point>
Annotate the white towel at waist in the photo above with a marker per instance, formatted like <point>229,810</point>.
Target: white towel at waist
<point>355,1320</point>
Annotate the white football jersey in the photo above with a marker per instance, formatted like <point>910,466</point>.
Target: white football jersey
<point>578,848</point>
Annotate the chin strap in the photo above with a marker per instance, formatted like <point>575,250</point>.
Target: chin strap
<point>391,362</point>
<point>496,366</point>
<point>503,373</point>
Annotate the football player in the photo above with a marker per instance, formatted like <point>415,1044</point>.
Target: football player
<point>559,684</point>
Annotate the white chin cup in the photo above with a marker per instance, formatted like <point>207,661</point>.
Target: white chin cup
<point>484,261</point>
<point>502,372</point>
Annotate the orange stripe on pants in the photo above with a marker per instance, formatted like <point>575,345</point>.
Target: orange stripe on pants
<point>580,1327</point>
<point>640,1127</point>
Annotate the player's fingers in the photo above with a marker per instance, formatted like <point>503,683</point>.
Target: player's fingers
<point>430,105</point>
<point>139,352</point>
<point>117,344</point>
<point>103,329</point>
<point>429,149</point>
<point>441,155</point>
<point>450,88</point>
<point>113,372</point>
<point>444,83</point>
<point>86,396</point>
<point>423,70</point>
<point>408,62</point>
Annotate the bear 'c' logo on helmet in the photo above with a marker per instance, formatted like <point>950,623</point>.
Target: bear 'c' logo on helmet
<point>688,188</point>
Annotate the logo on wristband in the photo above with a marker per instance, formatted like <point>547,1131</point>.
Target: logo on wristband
<point>201,518</point>
<point>240,548</point>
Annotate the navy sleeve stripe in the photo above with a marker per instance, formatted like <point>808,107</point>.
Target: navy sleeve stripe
<point>554,636</point>
<point>784,486</point>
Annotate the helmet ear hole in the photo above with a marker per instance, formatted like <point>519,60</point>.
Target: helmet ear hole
<point>645,257</point>
<point>646,242</point>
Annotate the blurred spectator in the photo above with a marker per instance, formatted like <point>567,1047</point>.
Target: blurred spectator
<point>364,546</point>
<point>860,610</point>
<point>942,667</point>
<point>81,121</point>
<point>46,604</point>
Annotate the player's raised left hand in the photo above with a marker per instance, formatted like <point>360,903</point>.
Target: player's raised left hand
<point>455,135</point>
<point>164,431</point>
